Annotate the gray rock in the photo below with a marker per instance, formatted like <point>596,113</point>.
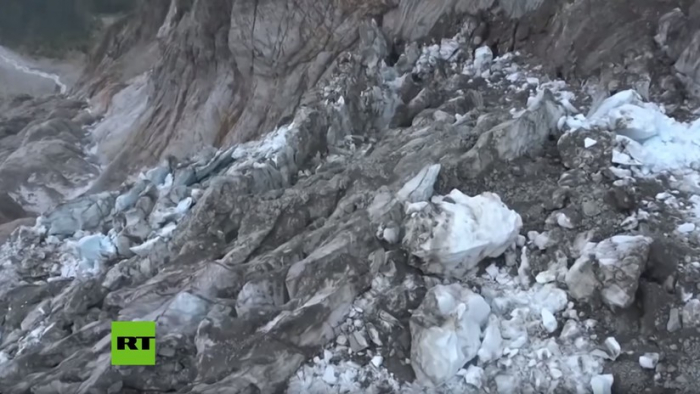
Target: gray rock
<point>53,129</point>
<point>336,261</point>
<point>46,166</point>
<point>215,340</point>
<point>261,294</point>
<point>691,314</point>
<point>575,152</point>
<point>674,321</point>
<point>610,270</point>
<point>673,33</point>
<point>85,213</point>
<point>358,342</point>
<point>128,199</point>
<point>183,314</point>
<point>511,139</point>
<point>688,65</point>
<point>8,228</point>
<point>420,187</point>
<point>9,209</point>
<point>261,272</point>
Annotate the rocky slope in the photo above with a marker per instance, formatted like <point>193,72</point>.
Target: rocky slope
<point>454,196</point>
<point>224,72</point>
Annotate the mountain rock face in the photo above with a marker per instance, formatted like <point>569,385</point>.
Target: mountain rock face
<point>42,161</point>
<point>223,72</point>
<point>9,209</point>
<point>360,197</point>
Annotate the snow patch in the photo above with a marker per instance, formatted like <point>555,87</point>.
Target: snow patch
<point>88,255</point>
<point>325,375</point>
<point>648,136</point>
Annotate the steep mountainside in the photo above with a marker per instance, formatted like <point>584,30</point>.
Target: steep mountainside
<point>376,196</point>
<point>227,71</point>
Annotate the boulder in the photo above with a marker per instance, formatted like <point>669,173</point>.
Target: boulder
<point>590,150</point>
<point>511,139</point>
<point>610,269</point>
<point>453,233</point>
<point>86,213</point>
<point>420,187</point>
<point>446,332</point>
<point>42,174</point>
<point>691,314</point>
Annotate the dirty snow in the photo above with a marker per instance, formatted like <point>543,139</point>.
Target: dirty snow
<point>648,135</point>
<point>465,230</point>
<point>265,148</point>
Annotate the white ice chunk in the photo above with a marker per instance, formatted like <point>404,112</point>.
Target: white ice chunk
<point>483,56</point>
<point>167,230</point>
<point>620,172</point>
<point>546,277</point>
<point>541,240</point>
<point>634,122</point>
<point>439,351</point>
<point>613,348</point>
<point>491,346</point>
<point>571,330</point>
<point>649,360</point>
<point>163,215</point>
<point>615,101</point>
<point>602,384</point>
<point>552,298</point>
<point>420,187</point>
<point>461,231</point>
<point>329,375</point>
<point>648,135</point>
<point>624,159</point>
<point>564,221</point>
<point>184,205</point>
<point>686,228</point>
<point>92,251</point>
<point>524,269</point>
<point>548,320</point>
<point>506,384</point>
<point>474,376</point>
<point>143,249</point>
<point>448,47</point>
<point>96,247</point>
<point>167,183</point>
<point>183,314</point>
<point>156,175</point>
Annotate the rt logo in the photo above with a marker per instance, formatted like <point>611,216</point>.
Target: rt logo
<point>133,343</point>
